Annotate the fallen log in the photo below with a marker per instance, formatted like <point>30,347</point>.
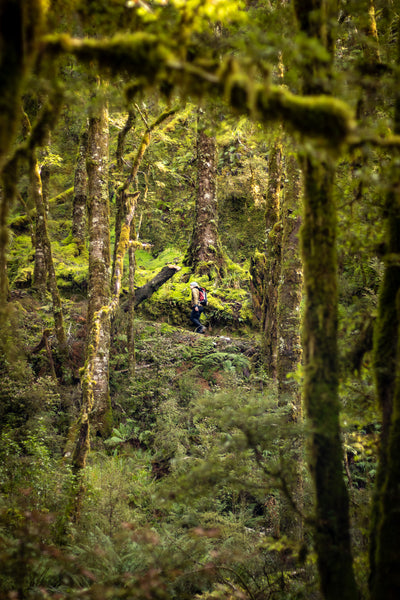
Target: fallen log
<point>148,289</point>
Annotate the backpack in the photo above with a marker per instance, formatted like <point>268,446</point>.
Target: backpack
<point>202,296</point>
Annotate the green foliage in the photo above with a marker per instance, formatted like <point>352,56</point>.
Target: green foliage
<point>126,433</point>
<point>188,498</point>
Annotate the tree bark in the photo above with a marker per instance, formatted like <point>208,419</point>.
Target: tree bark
<point>204,254</point>
<point>39,283</point>
<point>272,260</point>
<point>332,535</point>
<point>371,57</point>
<point>257,284</point>
<point>80,192</point>
<point>44,270</point>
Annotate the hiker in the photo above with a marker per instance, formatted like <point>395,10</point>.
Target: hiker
<point>197,308</point>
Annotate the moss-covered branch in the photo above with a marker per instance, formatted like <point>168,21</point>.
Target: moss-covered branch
<point>144,56</point>
<point>62,197</point>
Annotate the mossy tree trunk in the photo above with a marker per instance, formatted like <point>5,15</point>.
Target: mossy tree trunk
<point>98,344</point>
<point>371,58</point>
<point>96,367</point>
<point>321,401</point>
<point>44,269</point>
<point>385,517</point>
<point>369,94</point>
<point>269,325</point>
<point>290,289</point>
<point>257,283</point>
<point>288,330</point>
<point>39,283</point>
<point>103,303</point>
<point>321,397</point>
<point>130,330</point>
<point>204,254</point>
<point>43,242</point>
<point>122,190</point>
<point>41,207</point>
<point>80,192</point>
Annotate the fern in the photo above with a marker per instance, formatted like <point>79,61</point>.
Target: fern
<point>225,360</point>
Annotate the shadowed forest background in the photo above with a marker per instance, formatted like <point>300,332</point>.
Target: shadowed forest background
<point>252,147</point>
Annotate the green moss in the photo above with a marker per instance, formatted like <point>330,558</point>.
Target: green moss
<point>229,301</point>
<point>20,223</point>
<point>322,117</point>
<point>24,277</point>
<point>140,52</point>
<point>71,275</point>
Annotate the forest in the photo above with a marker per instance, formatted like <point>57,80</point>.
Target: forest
<point>249,147</point>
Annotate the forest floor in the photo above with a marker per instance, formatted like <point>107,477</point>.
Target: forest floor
<point>190,478</point>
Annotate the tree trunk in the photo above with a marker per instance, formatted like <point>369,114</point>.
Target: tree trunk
<point>371,57</point>
<point>40,271</point>
<point>98,346</point>
<point>80,433</point>
<point>384,550</point>
<point>204,254</point>
<point>290,289</point>
<point>45,244</point>
<point>332,536</point>
<point>130,332</point>
<point>39,283</point>
<point>385,518</point>
<point>289,326</point>
<point>321,398</point>
<point>272,260</point>
<point>257,284</point>
<point>80,192</point>
<point>44,265</point>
